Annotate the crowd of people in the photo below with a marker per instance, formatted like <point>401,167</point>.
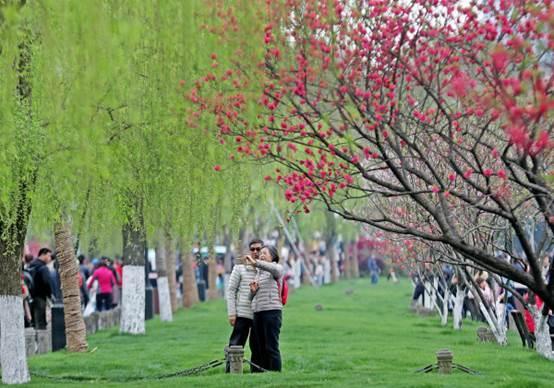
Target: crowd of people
<point>99,282</point>
<point>493,292</point>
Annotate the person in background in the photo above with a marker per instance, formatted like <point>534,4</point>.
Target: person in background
<point>373,269</point>
<point>27,260</point>
<point>83,268</point>
<point>106,282</point>
<point>57,295</point>
<point>267,306</point>
<point>42,287</point>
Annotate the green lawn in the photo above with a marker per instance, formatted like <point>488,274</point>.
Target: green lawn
<point>367,338</point>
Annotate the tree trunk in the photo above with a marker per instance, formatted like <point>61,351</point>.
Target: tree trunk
<point>330,242</point>
<point>133,292</point>
<point>227,261</point>
<point>13,360</point>
<point>170,267</point>
<point>190,289</point>
<point>496,325</point>
<point>347,274</point>
<point>355,265</point>
<point>543,341</point>
<point>445,300</point>
<point>212,275</point>
<point>163,285</point>
<point>458,307</point>
<point>75,330</point>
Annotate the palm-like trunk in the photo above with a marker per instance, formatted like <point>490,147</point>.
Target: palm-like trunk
<point>75,330</point>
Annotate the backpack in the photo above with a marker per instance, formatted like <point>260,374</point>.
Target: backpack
<point>283,289</point>
<point>28,279</point>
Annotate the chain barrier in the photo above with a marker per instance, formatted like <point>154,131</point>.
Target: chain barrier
<point>255,366</point>
<point>185,372</point>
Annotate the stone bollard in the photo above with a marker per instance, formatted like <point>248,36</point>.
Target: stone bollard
<point>484,334</point>
<point>444,361</point>
<point>30,342</point>
<point>44,341</point>
<point>235,356</point>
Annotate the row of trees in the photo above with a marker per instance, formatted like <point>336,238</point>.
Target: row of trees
<point>93,145</point>
<point>429,120</point>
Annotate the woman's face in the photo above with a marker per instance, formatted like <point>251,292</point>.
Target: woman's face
<point>265,255</point>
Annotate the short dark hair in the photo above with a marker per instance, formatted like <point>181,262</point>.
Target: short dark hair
<point>81,258</point>
<point>44,251</point>
<point>255,241</point>
<point>28,258</point>
<point>273,252</point>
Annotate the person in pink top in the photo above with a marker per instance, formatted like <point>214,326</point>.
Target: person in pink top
<point>106,282</point>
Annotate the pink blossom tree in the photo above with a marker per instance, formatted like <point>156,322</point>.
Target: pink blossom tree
<point>424,118</point>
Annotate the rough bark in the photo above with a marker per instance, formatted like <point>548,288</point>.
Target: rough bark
<point>190,290</point>
<point>75,330</point>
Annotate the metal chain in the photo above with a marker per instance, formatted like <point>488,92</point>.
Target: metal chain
<point>185,372</point>
<point>256,366</point>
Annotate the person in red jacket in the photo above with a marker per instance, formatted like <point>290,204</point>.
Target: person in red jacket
<point>106,282</point>
<point>529,319</point>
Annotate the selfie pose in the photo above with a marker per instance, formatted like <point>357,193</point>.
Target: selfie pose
<point>267,307</point>
<point>239,308</point>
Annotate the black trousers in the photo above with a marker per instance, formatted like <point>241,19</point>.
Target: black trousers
<point>103,302</point>
<point>240,334</point>
<point>266,329</point>
<point>39,313</point>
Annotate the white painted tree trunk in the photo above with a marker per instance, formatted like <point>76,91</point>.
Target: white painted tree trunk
<point>446,299</point>
<point>164,297</point>
<point>498,329</point>
<point>458,308</point>
<point>427,301</point>
<point>133,300</point>
<point>543,342</point>
<point>434,289</point>
<point>13,360</point>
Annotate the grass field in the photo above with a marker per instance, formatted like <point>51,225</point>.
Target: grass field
<point>368,338</point>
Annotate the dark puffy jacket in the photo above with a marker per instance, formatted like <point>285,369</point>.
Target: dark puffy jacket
<point>42,280</point>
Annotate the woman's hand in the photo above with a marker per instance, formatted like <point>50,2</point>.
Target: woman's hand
<point>254,287</point>
<point>249,260</point>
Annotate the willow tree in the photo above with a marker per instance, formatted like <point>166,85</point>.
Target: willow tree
<point>19,163</point>
<point>68,99</point>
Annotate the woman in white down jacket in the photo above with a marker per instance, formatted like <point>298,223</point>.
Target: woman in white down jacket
<point>267,307</point>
